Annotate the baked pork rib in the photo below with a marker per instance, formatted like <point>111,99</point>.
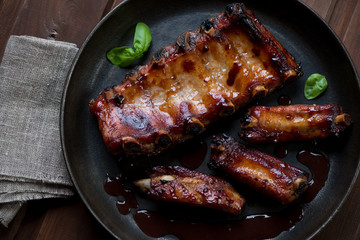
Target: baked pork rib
<point>206,74</point>
<point>180,185</point>
<point>293,123</point>
<point>258,170</point>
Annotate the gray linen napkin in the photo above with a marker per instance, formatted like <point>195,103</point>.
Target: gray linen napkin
<point>32,76</point>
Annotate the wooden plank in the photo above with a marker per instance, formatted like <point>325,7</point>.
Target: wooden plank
<point>70,226</point>
<point>33,219</point>
<point>342,15</point>
<point>8,14</point>
<point>10,232</point>
<point>69,21</point>
<point>322,7</point>
<point>351,37</point>
<point>58,219</point>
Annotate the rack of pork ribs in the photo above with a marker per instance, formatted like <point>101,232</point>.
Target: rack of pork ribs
<point>206,75</point>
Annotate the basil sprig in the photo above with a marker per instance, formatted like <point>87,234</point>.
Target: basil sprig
<point>314,86</point>
<point>124,56</point>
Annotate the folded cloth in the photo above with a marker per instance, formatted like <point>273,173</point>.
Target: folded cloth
<point>32,77</point>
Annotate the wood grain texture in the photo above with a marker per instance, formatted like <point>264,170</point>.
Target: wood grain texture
<point>73,226</point>
<point>59,219</point>
<point>322,7</point>
<point>347,27</point>
<point>69,21</point>
<point>72,21</point>
<point>9,11</point>
<point>339,21</point>
<point>14,226</point>
<point>351,37</point>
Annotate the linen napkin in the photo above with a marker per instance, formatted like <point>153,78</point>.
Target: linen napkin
<point>32,77</point>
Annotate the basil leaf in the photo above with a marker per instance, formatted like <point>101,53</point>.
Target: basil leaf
<point>124,56</point>
<point>142,39</point>
<point>121,56</point>
<point>314,86</point>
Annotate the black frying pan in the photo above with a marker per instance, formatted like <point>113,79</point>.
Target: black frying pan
<point>299,29</point>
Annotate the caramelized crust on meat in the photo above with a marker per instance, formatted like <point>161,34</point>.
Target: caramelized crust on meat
<point>177,184</point>
<point>206,74</point>
<point>258,170</point>
<point>293,123</point>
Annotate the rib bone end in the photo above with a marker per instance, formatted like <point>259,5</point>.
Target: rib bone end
<point>343,119</point>
<point>131,145</point>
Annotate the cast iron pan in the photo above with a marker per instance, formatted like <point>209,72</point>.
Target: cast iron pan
<point>299,29</point>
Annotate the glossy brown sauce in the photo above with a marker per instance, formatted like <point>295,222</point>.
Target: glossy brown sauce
<point>255,226</point>
<point>280,151</point>
<point>232,74</point>
<point>284,100</point>
<point>319,167</point>
<point>114,186</point>
<point>192,154</point>
<point>127,203</point>
<point>259,226</point>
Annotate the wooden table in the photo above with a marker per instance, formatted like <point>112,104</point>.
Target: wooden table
<point>72,21</point>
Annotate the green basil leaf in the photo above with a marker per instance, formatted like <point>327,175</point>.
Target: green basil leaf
<point>121,56</point>
<point>142,39</point>
<point>124,56</point>
<point>314,86</point>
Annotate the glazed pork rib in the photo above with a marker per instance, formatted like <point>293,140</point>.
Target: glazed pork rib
<point>258,170</point>
<point>180,185</point>
<point>205,75</point>
<point>293,123</point>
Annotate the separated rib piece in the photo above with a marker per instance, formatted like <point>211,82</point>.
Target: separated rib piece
<point>178,184</point>
<point>205,75</point>
<point>293,123</point>
<point>258,170</point>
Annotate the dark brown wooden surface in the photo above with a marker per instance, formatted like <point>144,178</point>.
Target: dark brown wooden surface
<point>72,21</point>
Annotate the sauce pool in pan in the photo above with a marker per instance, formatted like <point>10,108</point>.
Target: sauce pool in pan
<point>246,226</point>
